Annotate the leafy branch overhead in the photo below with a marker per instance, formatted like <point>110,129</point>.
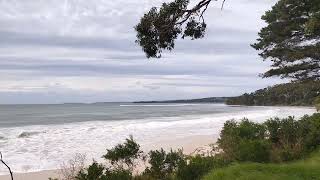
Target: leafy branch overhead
<point>291,39</point>
<point>160,27</point>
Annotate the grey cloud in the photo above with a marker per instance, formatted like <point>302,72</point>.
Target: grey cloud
<point>21,39</point>
<point>206,85</point>
<point>78,38</point>
<point>207,45</point>
<point>89,69</point>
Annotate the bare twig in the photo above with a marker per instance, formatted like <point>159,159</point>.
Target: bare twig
<point>70,169</point>
<point>223,4</point>
<point>6,166</point>
<point>205,9</point>
<point>189,12</point>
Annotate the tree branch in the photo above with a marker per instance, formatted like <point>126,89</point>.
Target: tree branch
<point>160,27</point>
<point>6,166</point>
<point>223,4</point>
<point>189,12</point>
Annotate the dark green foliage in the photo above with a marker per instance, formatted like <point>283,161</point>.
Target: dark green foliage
<point>94,172</point>
<point>121,158</point>
<point>194,29</point>
<point>163,164</point>
<point>287,129</point>
<point>317,103</point>
<point>172,165</point>
<point>99,172</point>
<point>159,28</point>
<point>116,174</point>
<point>276,140</point>
<point>253,150</point>
<point>176,165</point>
<point>292,139</point>
<point>295,93</point>
<point>197,166</point>
<point>244,141</point>
<point>202,100</point>
<point>291,39</point>
<point>286,137</point>
<point>124,153</point>
<point>311,131</point>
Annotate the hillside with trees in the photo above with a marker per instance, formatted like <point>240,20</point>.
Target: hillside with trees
<point>289,94</point>
<point>201,100</point>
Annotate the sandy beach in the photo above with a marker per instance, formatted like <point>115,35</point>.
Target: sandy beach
<point>49,146</point>
<point>188,144</point>
<point>42,175</point>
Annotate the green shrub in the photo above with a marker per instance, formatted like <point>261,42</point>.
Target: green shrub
<point>276,140</point>
<point>117,174</point>
<point>197,166</point>
<point>253,150</point>
<point>122,158</point>
<point>286,137</point>
<point>244,141</point>
<point>163,164</point>
<point>229,138</point>
<point>292,139</point>
<point>124,154</point>
<point>94,172</point>
<point>317,103</point>
<point>97,171</point>
<point>311,131</point>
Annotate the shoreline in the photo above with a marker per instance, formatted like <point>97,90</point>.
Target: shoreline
<point>187,132</point>
<point>189,145</point>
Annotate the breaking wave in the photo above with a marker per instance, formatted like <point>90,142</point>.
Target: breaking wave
<point>28,134</point>
<point>45,147</point>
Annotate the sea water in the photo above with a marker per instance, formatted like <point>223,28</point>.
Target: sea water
<point>42,137</point>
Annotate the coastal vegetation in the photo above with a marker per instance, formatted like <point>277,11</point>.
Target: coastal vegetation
<point>287,147</point>
<point>317,103</point>
<point>298,170</point>
<point>305,93</point>
<point>201,100</point>
<point>289,94</point>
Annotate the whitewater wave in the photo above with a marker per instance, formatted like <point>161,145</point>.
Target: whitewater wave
<point>158,105</point>
<point>28,134</point>
<point>45,147</point>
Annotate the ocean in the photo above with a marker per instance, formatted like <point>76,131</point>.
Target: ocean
<point>42,137</point>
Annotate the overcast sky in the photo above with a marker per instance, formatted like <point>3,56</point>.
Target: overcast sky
<point>84,51</point>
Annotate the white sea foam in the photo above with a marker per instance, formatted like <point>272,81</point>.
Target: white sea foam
<point>45,147</point>
<point>157,105</point>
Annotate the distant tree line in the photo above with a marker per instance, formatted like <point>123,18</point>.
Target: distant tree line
<point>295,93</point>
<point>202,100</point>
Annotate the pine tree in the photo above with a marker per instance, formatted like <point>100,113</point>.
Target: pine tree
<point>291,40</point>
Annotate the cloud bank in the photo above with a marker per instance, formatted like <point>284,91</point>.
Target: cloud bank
<point>84,51</point>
